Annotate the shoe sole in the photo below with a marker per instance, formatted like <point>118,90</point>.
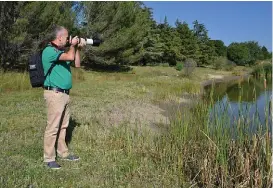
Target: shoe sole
<point>57,168</point>
<point>71,160</point>
<point>54,168</point>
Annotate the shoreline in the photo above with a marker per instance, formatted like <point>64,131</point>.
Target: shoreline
<point>206,83</point>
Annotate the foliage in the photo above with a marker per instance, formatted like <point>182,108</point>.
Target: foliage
<point>8,50</point>
<point>188,67</point>
<point>179,66</point>
<point>29,26</point>
<point>229,66</point>
<point>189,42</point>
<point>123,26</point>
<point>207,50</point>
<point>224,63</point>
<point>265,54</point>
<point>131,36</point>
<point>220,48</point>
<point>247,53</point>
<point>238,52</point>
<point>264,69</point>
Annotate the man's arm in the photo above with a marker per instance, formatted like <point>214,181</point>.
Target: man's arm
<point>77,58</point>
<point>70,55</point>
<point>77,55</point>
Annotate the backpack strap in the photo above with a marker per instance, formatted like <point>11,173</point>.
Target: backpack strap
<point>50,69</point>
<point>53,64</point>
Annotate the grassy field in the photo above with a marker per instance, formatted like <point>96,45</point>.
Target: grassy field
<point>131,129</point>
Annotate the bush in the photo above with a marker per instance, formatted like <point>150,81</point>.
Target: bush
<point>223,63</point>
<point>229,66</point>
<point>219,62</point>
<point>189,67</point>
<point>179,66</point>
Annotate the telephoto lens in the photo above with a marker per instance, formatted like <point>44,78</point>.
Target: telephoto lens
<point>93,42</point>
<point>87,41</point>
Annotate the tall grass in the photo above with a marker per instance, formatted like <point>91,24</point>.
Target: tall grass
<point>264,70</point>
<point>193,151</point>
<point>239,148</point>
<point>13,81</point>
<point>19,81</point>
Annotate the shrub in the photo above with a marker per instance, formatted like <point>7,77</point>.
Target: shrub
<point>179,66</point>
<point>229,66</point>
<point>219,62</point>
<point>223,63</point>
<point>189,67</point>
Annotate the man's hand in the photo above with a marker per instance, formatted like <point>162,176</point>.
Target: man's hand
<point>82,43</point>
<point>75,41</point>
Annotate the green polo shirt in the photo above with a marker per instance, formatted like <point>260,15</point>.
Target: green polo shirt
<point>60,75</point>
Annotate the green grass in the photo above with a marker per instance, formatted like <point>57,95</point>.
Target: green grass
<point>118,132</point>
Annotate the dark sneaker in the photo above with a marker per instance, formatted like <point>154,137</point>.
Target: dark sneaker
<point>71,158</point>
<point>53,165</point>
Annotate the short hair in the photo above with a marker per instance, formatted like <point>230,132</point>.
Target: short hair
<point>50,36</point>
<point>56,30</point>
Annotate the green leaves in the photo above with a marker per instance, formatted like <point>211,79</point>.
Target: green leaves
<point>246,53</point>
<point>27,24</point>
<point>123,25</point>
<point>129,32</point>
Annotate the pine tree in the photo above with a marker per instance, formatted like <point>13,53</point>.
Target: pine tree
<point>31,24</point>
<point>8,50</point>
<point>207,51</point>
<point>122,25</point>
<point>189,43</point>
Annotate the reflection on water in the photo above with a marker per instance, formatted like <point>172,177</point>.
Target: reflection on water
<point>249,100</point>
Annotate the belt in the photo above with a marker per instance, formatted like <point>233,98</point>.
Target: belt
<point>66,91</point>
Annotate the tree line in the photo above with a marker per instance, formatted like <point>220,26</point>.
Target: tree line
<point>130,35</point>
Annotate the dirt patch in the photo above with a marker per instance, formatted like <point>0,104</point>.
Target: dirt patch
<point>211,76</point>
<point>134,113</point>
<point>142,114</point>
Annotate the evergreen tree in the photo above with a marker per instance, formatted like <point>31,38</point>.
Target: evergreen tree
<point>189,43</point>
<point>172,43</point>
<point>207,52</point>
<point>31,25</point>
<point>123,26</point>
<point>220,48</point>
<point>265,53</point>
<point>8,14</point>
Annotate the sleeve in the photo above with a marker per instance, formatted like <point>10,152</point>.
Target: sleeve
<point>54,54</point>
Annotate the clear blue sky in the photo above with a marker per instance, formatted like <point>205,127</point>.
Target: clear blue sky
<point>227,21</point>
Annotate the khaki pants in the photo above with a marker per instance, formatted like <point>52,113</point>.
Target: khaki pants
<point>58,114</point>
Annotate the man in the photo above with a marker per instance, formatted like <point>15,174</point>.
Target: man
<point>56,93</point>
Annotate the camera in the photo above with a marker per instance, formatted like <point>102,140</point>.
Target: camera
<point>87,41</point>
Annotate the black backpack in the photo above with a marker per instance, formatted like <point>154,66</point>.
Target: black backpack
<point>36,70</point>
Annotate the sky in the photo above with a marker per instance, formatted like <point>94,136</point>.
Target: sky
<point>232,21</point>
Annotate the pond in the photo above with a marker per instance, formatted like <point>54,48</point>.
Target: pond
<point>244,103</point>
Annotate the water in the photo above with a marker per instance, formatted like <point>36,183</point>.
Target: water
<point>245,103</point>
